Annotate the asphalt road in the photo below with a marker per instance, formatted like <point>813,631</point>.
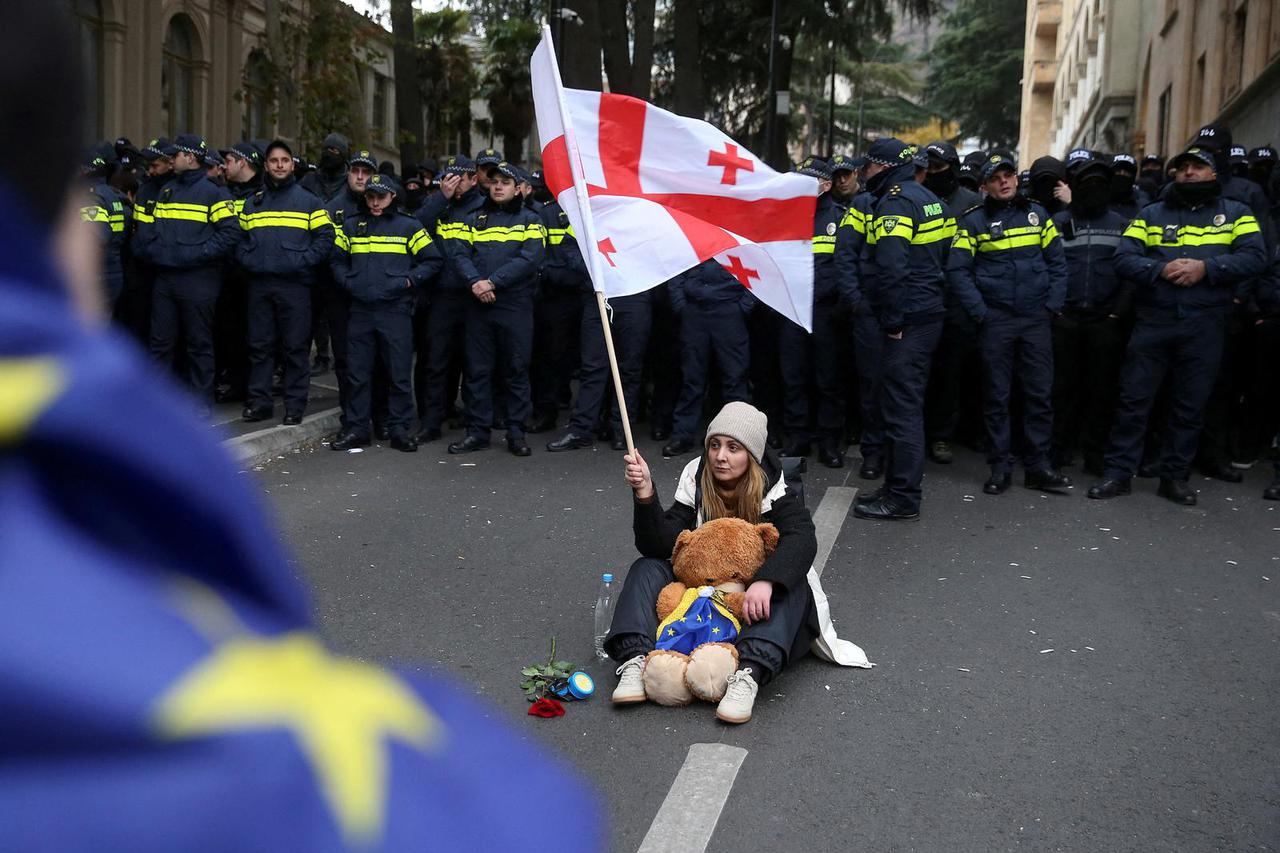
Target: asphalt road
<point>1053,673</point>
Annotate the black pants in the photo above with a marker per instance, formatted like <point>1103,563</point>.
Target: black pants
<point>183,308</point>
<point>764,369</point>
<point>279,321</point>
<point>705,328</point>
<point>380,334</point>
<point>1087,352</point>
<point>231,334</point>
<point>499,343</point>
<point>1013,343</point>
<point>336,304</point>
<point>767,647</point>
<point>906,375</point>
<point>868,349</point>
<point>631,318</point>
<point>1188,350</point>
<point>557,315</point>
<point>952,406</point>
<point>1262,400</point>
<point>813,375</point>
<point>446,333</point>
<point>1224,414</point>
<point>665,370</point>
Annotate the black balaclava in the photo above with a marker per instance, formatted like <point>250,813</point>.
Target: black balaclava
<point>942,184</point>
<point>1122,182</point>
<point>1091,192</point>
<point>1046,173</point>
<point>1196,193</point>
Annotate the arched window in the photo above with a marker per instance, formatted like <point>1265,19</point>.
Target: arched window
<point>177,76</point>
<point>88,16</point>
<point>257,96</point>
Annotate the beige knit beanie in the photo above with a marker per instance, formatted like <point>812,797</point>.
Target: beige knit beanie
<point>745,424</point>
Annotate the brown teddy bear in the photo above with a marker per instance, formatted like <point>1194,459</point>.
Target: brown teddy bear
<point>700,613</point>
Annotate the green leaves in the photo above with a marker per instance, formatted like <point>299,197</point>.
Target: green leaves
<point>540,677</point>
<point>975,69</point>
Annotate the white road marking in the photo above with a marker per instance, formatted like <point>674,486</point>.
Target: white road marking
<point>689,814</point>
<point>828,519</point>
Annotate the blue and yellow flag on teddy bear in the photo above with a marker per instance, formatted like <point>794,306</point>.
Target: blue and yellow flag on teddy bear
<point>700,617</point>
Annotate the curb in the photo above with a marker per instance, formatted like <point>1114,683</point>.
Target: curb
<point>255,447</point>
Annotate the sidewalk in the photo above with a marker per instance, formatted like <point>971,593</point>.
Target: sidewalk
<point>256,442</point>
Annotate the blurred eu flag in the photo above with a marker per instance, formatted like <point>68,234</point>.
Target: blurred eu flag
<point>700,617</point>
<point>162,686</point>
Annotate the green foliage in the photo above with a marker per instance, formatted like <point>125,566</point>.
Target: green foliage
<point>539,678</point>
<point>975,69</point>
<point>334,52</point>
<point>447,76</point>
<point>505,83</point>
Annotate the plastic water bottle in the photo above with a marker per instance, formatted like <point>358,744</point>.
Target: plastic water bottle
<point>603,614</point>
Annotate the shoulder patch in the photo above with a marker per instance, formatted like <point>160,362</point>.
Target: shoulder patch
<point>977,206</point>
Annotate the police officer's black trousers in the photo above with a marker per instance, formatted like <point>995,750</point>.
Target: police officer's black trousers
<point>1188,350</point>
<point>231,333</point>
<point>1024,344</point>
<point>1087,352</point>
<point>279,321</point>
<point>446,333</point>
<point>664,360</point>
<point>499,342</point>
<point>384,330</point>
<point>1224,414</point>
<point>557,314</point>
<point>868,353</point>
<point>952,407</point>
<point>183,307</point>
<point>1262,402</point>
<point>765,646</point>
<point>632,317</point>
<point>906,376</point>
<point>813,375</point>
<point>718,327</point>
<point>336,304</point>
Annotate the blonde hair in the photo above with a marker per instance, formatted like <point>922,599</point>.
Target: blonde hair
<point>742,501</point>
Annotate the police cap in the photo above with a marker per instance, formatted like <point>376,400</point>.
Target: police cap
<point>99,158</point>
<point>1215,137</point>
<point>889,151</point>
<point>188,143</point>
<point>943,152</point>
<point>841,163</point>
<point>1238,154</point>
<point>511,170</point>
<point>156,148</point>
<point>1124,161</point>
<point>459,164</point>
<point>995,163</point>
<point>1195,152</point>
<point>363,157</point>
<point>489,157</point>
<point>814,167</point>
<point>380,185</point>
<point>247,152</point>
<point>1264,154</point>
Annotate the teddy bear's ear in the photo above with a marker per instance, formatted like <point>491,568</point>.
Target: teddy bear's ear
<point>681,541</point>
<point>769,536</point>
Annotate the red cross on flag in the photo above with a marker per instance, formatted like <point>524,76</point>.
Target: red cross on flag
<point>651,194</point>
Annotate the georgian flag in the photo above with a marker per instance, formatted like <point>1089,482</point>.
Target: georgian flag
<point>651,194</point>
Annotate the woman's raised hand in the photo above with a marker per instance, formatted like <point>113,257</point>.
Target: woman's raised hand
<point>637,475</point>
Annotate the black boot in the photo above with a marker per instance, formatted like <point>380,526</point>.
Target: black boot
<point>404,443</point>
<point>1178,491</point>
<point>570,441</point>
<point>872,468</point>
<point>796,448</point>
<point>1272,492</point>
<point>251,415</point>
<point>885,509</point>
<point>829,454</point>
<point>517,446</point>
<point>677,447</point>
<point>1112,487</point>
<point>470,444</point>
<point>1047,480</point>
<point>348,440</point>
<point>998,483</point>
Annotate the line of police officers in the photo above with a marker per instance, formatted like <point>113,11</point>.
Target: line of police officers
<point>1129,312</point>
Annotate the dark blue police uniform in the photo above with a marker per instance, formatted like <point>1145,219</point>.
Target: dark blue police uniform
<point>558,313</point>
<point>109,212</point>
<point>861,303</point>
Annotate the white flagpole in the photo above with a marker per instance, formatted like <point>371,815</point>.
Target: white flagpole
<point>590,252</point>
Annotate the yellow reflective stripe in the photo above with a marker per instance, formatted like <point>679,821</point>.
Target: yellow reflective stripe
<point>279,214</point>
<point>142,216</point>
<point>163,212</point>
<point>261,221</point>
<point>376,248</point>
<point>855,219</point>
<point>319,219</point>
<point>1006,243</point>
<point>962,241</point>
<point>508,235</point>
<point>453,231</point>
<point>1048,235</point>
<point>824,248</point>
<point>1137,230</point>
<point>28,386</point>
<point>556,236</point>
<point>1245,225</point>
<point>341,240</point>
<point>893,226</point>
<point>222,210</point>
<point>178,205</point>
<point>93,213</point>
<point>934,231</point>
<point>238,205</point>
<point>419,241</point>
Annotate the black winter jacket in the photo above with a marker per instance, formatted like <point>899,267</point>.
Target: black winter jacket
<point>826,220</point>
<point>1223,233</point>
<point>1089,243</point>
<point>851,238</point>
<point>111,216</point>
<point>378,257</point>
<point>191,224</point>
<point>503,243</point>
<point>563,267</point>
<point>287,232</point>
<point>449,225</point>
<point>788,566</point>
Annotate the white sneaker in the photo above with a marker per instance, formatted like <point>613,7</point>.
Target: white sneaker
<point>630,687</point>
<point>739,698</point>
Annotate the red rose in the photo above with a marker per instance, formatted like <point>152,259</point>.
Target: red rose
<point>546,708</point>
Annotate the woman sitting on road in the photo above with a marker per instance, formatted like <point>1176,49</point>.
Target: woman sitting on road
<point>784,608</point>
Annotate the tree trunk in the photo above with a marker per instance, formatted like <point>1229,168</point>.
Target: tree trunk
<point>776,148</point>
<point>578,46</point>
<point>409,129</point>
<point>642,57</point>
<point>616,45</point>
<point>688,87</point>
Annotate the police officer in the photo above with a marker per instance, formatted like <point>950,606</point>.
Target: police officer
<point>442,328</point>
<point>1048,186</point>
<point>185,234</point>
<point>1127,198</point>
<point>287,235</point>
<point>1009,272</point>
<point>813,405</point>
<point>1151,177</point>
<point>904,264</point>
<point>713,308</point>
<point>383,255</point>
<point>861,302</point>
<point>1188,253</point>
<point>630,319</point>
<point>331,293</point>
<point>844,179</point>
<point>328,180</point>
<point>231,331</point>
<point>487,167</point>
<point>111,216</point>
<point>971,169</point>
<point>955,363</point>
<point>559,311</point>
<point>1089,335</point>
<point>498,257</point>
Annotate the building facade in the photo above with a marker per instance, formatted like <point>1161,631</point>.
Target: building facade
<point>1144,75</point>
<point>163,67</point>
